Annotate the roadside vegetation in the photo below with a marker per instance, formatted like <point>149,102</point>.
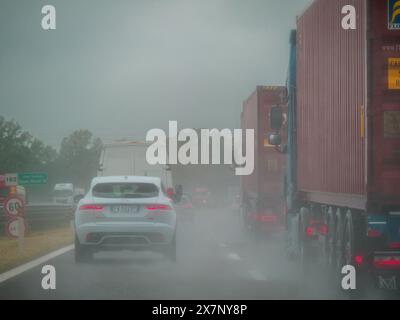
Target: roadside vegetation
<point>36,244</point>
<point>75,160</point>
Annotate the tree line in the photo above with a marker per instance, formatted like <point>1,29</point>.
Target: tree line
<point>76,161</point>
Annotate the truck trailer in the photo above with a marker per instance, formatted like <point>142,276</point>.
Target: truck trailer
<point>342,183</point>
<point>128,158</point>
<point>262,191</point>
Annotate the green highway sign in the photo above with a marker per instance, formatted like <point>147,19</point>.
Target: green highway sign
<point>32,178</point>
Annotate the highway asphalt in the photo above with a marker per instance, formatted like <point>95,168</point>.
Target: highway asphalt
<point>216,259</point>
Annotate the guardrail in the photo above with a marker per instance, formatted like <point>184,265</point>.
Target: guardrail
<point>43,216</point>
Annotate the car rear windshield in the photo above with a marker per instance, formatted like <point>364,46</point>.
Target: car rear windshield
<point>63,193</point>
<point>125,190</point>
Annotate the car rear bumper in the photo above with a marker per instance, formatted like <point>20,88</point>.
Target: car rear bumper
<point>126,235</point>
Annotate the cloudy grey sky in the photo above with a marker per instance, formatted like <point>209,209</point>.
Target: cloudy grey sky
<point>120,68</point>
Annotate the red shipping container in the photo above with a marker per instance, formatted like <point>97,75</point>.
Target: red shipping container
<point>348,104</point>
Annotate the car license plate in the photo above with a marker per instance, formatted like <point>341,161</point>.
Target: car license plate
<point>124,209</point>
<point>388,282</point>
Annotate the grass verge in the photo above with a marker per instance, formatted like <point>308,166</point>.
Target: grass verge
<point>36,244</point>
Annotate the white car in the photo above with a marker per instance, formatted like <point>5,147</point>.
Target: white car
<point>125,212</point>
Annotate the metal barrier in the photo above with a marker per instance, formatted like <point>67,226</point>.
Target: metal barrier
<point>43,216</point>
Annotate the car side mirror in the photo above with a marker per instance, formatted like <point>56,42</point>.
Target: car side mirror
<point>275,118</point>
<point>275,139</point>
<point>78,198</point>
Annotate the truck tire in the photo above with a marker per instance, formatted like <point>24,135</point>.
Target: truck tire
<point>82,253</point>
<point>306,251</point>
<point>330,244</point>
<point>339,248</point>
<point>352,245</point>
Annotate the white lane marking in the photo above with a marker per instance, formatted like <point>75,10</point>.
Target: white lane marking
<point>234,256</point>
<point>34,263</point>
<point>256,275</point>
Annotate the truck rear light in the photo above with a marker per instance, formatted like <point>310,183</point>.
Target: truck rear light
<point>267,218</point>
<point>394,245</point>
<point>158,207</point>
<point>91,207</point>
<point>373,233</point>
<point>188,206</point>
<point>310,231</point>
<point>359,260</point>
<point>387,262</point>
<point>323,230</point>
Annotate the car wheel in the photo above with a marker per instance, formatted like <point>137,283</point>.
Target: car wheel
<point>82,254</point>
<point>171,250</point>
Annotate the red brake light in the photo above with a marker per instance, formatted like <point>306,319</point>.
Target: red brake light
<point>158,207</point>
<point>310,231</point>
<point>372,233</point>
<point>267,218</point>
<point>359,260</point>
<point>92,207</point>
<point>395,245</point>
<point>387,262</point>
<point>323,230</point>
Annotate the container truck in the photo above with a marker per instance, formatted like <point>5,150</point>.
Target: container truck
<point>342,184</point>
<point>262,191</point>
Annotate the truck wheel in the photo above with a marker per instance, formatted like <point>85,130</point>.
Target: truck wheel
<point>351,245</point>
<point>340,230</point>
<point>82,254</point>
<point>349,239</point>
<point>306,252</point>
<point>330,243</point>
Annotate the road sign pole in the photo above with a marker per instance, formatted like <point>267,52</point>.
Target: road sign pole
<point>21,235</point>
<point>14,208</point>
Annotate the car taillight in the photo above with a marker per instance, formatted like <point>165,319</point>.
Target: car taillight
<point>91,207</point>
<point>158,207</point>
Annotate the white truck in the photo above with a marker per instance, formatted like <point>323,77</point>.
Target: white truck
<point>128,158</point>
<point>63,193</point>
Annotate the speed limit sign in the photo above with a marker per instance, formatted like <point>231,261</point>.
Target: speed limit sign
<point>14,206</point>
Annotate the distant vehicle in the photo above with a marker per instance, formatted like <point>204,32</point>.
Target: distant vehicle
<point>184,208</point>
<point>79,193</point>
<point>126,212</point>
<point>63,193</point>
<point>128,158</point>
<point>202,197</point>
<point>6,191</point>
<point>234,199</point>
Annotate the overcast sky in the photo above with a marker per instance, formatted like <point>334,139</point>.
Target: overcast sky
<point>120,68</point>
